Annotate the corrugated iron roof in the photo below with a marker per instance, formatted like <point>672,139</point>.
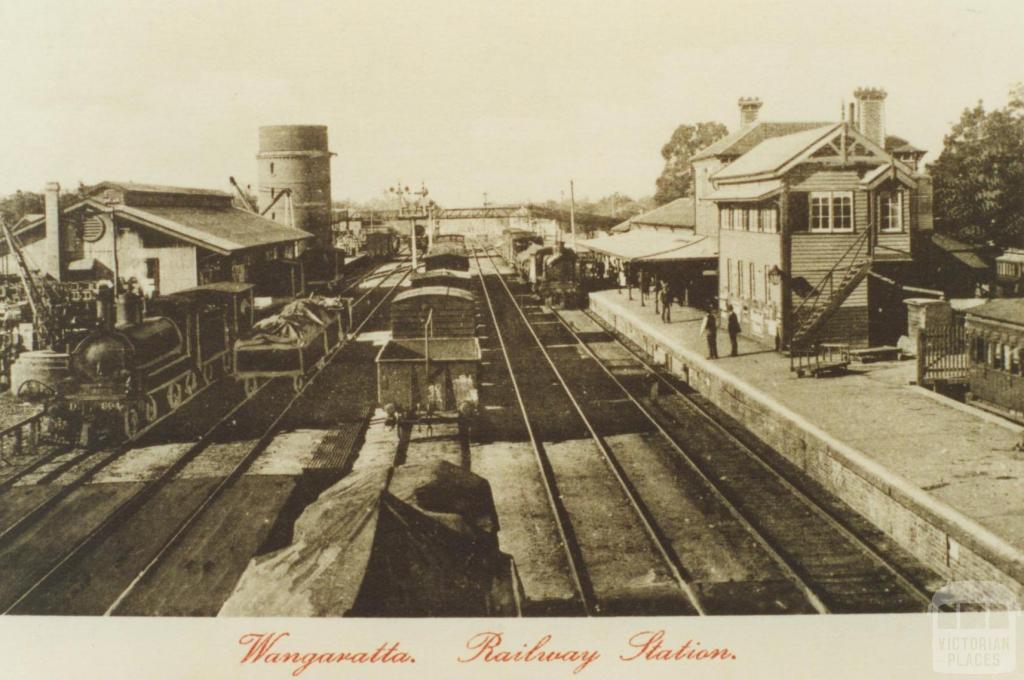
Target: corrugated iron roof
<point>156,189</point>
<point>745,139</point>
<point>677,213</point>
<point>655,245</point>
<point>219,229</point>
<point>1006,310</point>
<point>772,154</point>
<point>966,253</point>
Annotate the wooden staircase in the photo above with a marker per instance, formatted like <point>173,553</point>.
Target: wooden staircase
<point>828,296</point>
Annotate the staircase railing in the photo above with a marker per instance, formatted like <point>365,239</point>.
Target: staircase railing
<point>822,298</point>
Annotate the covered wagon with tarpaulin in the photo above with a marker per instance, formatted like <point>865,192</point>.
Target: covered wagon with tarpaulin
<point>429,375</point>
<point>292,343</point>
<point>411,540</point>
<point>995,351</point>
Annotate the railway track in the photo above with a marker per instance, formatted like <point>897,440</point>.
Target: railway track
<point>806,558</point>
<point>770,480</point>
<point>618,557</point>
<point>105,456</point>
<point>260,411</point>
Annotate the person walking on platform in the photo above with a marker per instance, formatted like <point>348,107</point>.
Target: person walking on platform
<point>733,326</point>
<point>709,329</point>
<point>666,303</point>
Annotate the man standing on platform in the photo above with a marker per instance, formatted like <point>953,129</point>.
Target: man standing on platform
<point>709,329</point>
<point>666,302</point>
<point>734,331</point>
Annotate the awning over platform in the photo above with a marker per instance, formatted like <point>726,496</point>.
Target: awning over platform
<point>748,191</point>
<point>656,246</point>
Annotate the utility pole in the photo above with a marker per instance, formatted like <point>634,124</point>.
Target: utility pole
<point>572,213</point>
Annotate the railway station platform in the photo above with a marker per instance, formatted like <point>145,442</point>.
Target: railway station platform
<point>944,480</point>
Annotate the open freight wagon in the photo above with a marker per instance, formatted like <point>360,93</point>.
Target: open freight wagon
<point>291,344</point>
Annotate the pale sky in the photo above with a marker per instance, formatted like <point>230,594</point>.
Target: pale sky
<point>511,98</point>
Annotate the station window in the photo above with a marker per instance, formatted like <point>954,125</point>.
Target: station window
<point>753,286</point>
<point>728,275</point>
<point>769,220</point>
<point>739,277</point>
<point>755,222</point>
<point>890,208</point>
<point>831,211</point>
<point>726,218</point>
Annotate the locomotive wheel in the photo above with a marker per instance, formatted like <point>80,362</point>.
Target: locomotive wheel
<point>151,409</point>
<point>250,384</point>
<point>174,395</point>
<point>131,423</point>
<point>191,383</point>
<point>297,383</point>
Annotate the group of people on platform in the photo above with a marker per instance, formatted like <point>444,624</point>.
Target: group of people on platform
<point>664,295</point>
<point>709,330</point>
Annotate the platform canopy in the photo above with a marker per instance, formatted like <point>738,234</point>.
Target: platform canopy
<point>655,246</point>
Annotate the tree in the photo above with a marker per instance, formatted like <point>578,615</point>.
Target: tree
<point>20,203</point>
<point>685,142</point>
<point>979,176</point>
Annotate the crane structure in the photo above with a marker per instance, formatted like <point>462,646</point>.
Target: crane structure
<point>45,323</point>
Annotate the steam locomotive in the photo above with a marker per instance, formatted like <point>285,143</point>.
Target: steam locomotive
<point>126,376</point>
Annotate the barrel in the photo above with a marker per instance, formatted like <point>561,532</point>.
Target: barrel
<point>36,375</point>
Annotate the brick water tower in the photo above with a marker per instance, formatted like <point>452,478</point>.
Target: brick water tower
<point>296,158</point>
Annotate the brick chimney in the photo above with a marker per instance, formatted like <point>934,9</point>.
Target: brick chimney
<point>51,210</point>
<point>871,113</point>
<point>749,106</point>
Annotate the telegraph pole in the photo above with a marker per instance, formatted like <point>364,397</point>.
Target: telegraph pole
<point>572,213</point>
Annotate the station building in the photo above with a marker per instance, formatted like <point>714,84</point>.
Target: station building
<point>167,238</point>
<point>818,225</point>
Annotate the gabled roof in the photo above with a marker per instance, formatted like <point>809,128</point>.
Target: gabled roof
<point>678,213</point>
<point>770,155</point>
<point>219,229</point>
<point>746,138</point>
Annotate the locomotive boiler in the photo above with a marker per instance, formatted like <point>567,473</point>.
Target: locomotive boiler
<point>126,376</point>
